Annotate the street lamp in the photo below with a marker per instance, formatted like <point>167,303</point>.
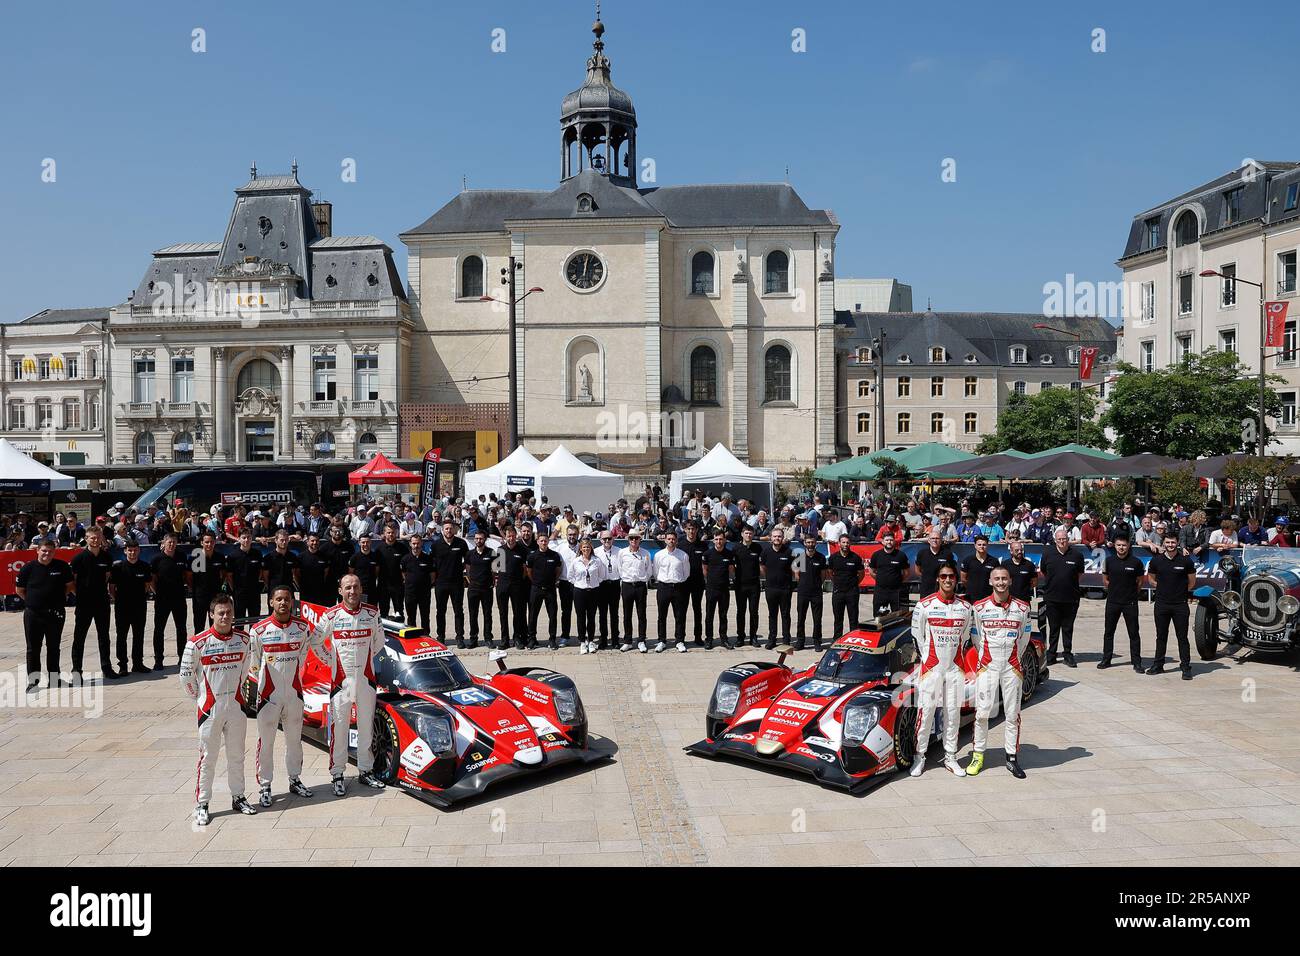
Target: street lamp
<point>512,301</point>
<point>1078,394</point>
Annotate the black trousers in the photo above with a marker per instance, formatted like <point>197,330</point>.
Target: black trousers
<point>746,601</point>
<point>417,606</point>
<point>884,600</point>
<point>809,602</point>
<point>200,605</point>
<point>248,603</point>
<point>1129,612</point>
<point>717,601</point>
<point>169,606</point>
<point>536,599</point>
<point>609,591</point>
<point>480,603</point>
<point>1179,615</point>
<point>695,593</point>
<point>512,609</point>
<point>585,603</point>
<point>43,627</point>
<point>1060,624</point>
<point>674,597</point>
<point>846,603</point>
<point>391,599</point>
<point>130,617</point>
<point>455,595</point>
<point>85,614</point>
<point>778,602</point>
<point>565,589</point>
<point>633,594</point>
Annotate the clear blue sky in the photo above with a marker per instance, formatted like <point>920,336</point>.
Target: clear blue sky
<point>1057,147</point>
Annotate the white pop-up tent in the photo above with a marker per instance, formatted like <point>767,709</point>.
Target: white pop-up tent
<point>22,474</point>
<point>566,480</point>
<point>718,471</point>
<point>516,472</point>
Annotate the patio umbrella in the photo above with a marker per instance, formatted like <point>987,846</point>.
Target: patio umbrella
<point>1069,464</point>
<point>1077,449</point>
<point>1144,465</point>
<point>989,466</point>
<point>1217,466</point>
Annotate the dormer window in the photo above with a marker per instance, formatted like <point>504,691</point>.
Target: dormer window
<point>938,354</point>
<point>864,355</point>
<point>905,359</point>
<point>1073,355</point>
<point>970,359</point>
<point>1019,355</point>
<point>585,202</point>
<point>331,281</point>
<point>1045,359</point>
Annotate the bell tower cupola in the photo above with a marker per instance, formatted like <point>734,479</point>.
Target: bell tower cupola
<point>598,122</point>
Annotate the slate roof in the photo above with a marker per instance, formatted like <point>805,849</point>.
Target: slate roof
<point>989,336</point>
<point>51,316</point>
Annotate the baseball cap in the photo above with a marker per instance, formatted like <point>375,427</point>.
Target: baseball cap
<point>1035,513</point>
<point>1181,514</point>
<point>1282,520</point>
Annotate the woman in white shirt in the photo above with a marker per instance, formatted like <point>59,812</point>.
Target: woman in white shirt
<point>585,572</point>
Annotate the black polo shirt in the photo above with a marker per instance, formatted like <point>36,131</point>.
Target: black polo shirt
<point>390,563</point>
<point>846,571</point>
<point>169,574</point>
<point>887,567</point>
<point>314,570</point>
<point>748,561</point>
<point>977,576</point>
<point>928,564</point>
<point>209,576</point>
<point>365,565</point>
<point>281,568</point>
<point>46,584</point>
<point>695,552</point>
<point>1124,576</point>
<point>779,567</point>
<point>810,578</point>
<point>478,568</point>
<point>510,571</point>
<point>547,567</point>
<point>1023,574</point>
<point>416,569</point>
<point>91,572</point>
<point>131,581</point>
<point>245,569</point>
<point>718,566</point>
<point>1061,573</point>
<point>1170,577</point>
<point>449,561</point>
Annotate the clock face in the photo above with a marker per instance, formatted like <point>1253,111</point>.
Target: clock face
<point>584,270</point>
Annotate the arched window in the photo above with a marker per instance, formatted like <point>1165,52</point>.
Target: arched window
<point>144,447</point>
<point>323,446</point>
<point>776,374</point>
<point>776,272</point>
<point>938,354</point>
<point>258,373</point>
<point>183,447</point>
<point>864,423</point>
<point>584,372</point>
<point>864,388</point>
<point>863,450</point>
<point>367,446</point>
<point>1044,386</point>
<point>1186,229</point>
<point>702,273</point>
<point>704,376</point>
<point>1019,355</point>
<point>864,354</point>
<point>1018,388</point>
<point>471,277</point>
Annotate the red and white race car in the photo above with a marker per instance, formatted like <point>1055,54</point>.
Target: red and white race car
<point>847,720</point>
<point>444,734</point>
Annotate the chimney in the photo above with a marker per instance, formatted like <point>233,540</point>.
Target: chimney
<point>323,213</point>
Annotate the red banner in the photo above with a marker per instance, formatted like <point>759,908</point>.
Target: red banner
<point>429,477</point>
<point>1275,315</point>
<point>11,562</point>
<point>1087,358</point>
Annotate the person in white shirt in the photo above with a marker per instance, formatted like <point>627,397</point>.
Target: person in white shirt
<point>1225,539</point>
<point>671,569</point>
<point>634,568</point>
<point>585,573</point>
<point>833,529</point>
<point>608,555</point>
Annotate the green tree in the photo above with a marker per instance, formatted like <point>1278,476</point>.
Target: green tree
<point>1250,476</point>
<point>890,470</point>
<point>1207,404</point>
<point>1032,423</point>
<point>1180,485</point>
<point>1106,501</point>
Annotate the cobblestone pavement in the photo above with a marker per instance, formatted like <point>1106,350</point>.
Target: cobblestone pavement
<point>1123,769</point>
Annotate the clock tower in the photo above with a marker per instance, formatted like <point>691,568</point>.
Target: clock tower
<point>598,123</point>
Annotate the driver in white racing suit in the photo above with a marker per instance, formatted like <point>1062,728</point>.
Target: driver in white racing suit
<point>1001,638</point>
<point>213,666</point>
<point>940,623</point>
<point>357,635</point>
<point>279,644</point>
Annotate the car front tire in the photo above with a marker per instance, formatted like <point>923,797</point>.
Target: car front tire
<point>905,737</point>
<point>385,747</point>
<point>1205,631</point>
<point>1029,676</point>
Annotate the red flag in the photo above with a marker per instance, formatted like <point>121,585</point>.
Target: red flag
<point>1087,358</point>
<point>1275,314</point>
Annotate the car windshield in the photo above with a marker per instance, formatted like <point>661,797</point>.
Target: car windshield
<point>852,667</point>
<point>434,673</point>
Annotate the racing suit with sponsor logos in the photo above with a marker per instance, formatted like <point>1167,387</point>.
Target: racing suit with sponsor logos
<point>1001,638</point>
<point>940,628</point>
<point>212,673</point>
<point>357,636</point>
<point>277,653</point>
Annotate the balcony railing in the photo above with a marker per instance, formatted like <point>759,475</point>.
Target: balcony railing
<point>137,410</point>
<point>180,410</point>
<point>330,408</point>
<point>369,408</point>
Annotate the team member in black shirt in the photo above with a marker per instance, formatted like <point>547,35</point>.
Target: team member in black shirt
<point>696,547</point>
<point>975,570</point>
<point>314,568</point>
<point>1024,573</point>
<point>777,561</point>
<point>44,585</point>
<point>281,565</point>
<point>812,571</point>
<point>512,590</point>
<point>1061,567</point>
<point>719,563</point>
<point>417,583</point>
<point>247,576</point>
<point>846,567</point>
<point>449,580</point>
<point>1174,575</point>
<point>364,563</point>
<point>390,551</point>
<point>478,576</point>
<point>168,599</point>
<point>129,584</point>
<point>749,555</point>
<point>1122,575</point>
<point>928,562</point>
<point>207,573</point>
<point>545,567</point>
<point>890,568</point>
<point>91,568</point>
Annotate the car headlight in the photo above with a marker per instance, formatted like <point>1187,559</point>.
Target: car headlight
<point>1227,564</point>
<point>725,698</point>
<point>566,704</point>
<point>1231,600</point>
<point>859,720</point>
<point>1288,605</point>
<point>436,731</point>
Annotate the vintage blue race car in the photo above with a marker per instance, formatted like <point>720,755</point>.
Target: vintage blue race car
<point>1259,608</point>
